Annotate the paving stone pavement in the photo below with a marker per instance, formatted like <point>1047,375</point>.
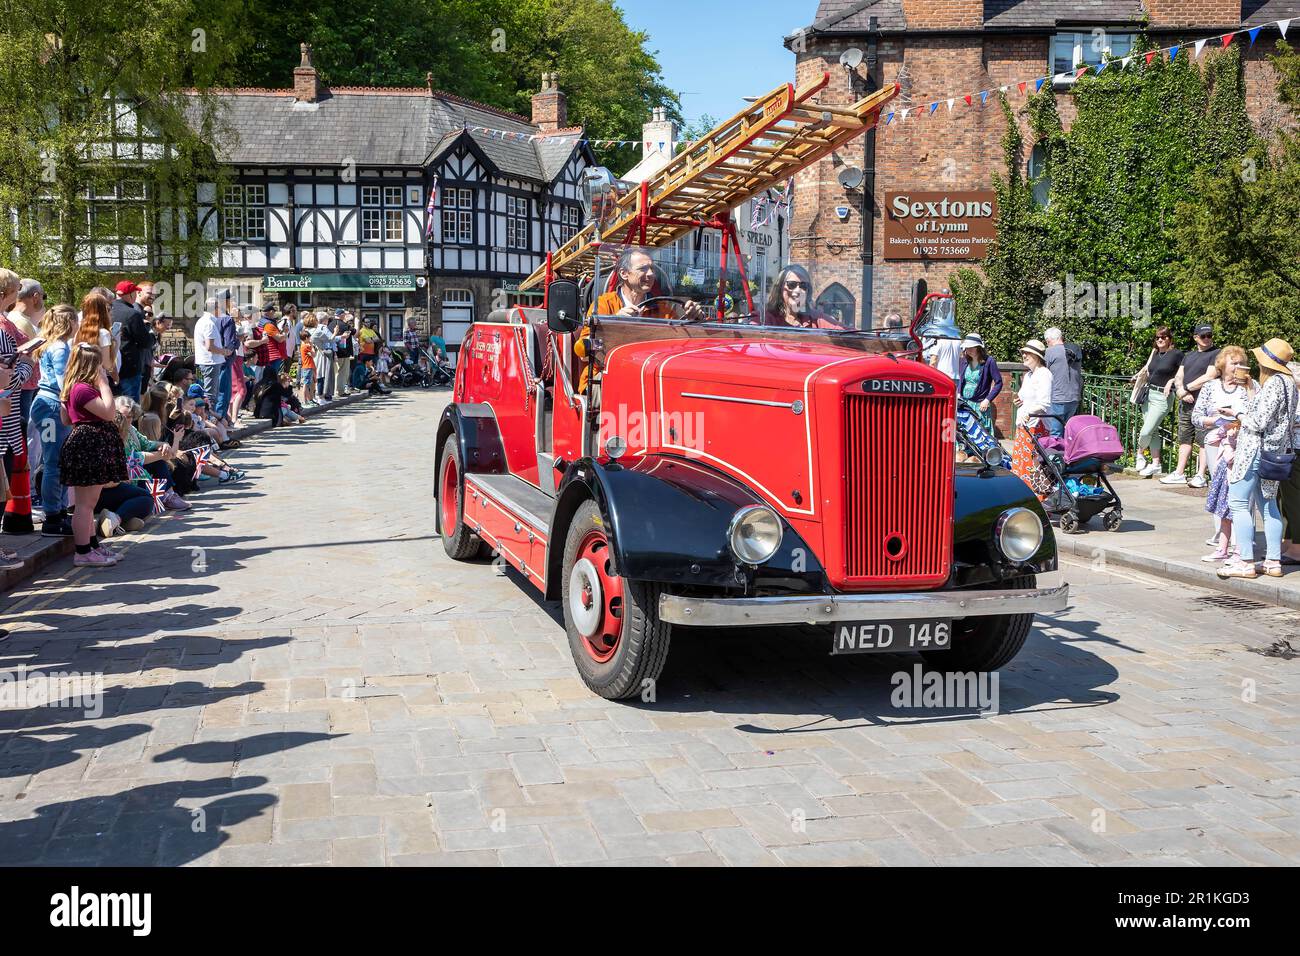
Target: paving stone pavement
<point>294,674</point>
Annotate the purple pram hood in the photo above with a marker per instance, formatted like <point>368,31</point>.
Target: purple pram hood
<point>1087,436</point>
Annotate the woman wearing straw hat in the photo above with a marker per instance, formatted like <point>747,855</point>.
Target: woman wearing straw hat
<point>981,381</point>
<point>1033,399</point>
<point>1266,428</point>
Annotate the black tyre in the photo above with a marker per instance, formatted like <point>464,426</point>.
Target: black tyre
<point>986,643</point>
<point>457,540</point>
<point>1113,519</point>
<point>1069,522</point>
<point>617,640</point>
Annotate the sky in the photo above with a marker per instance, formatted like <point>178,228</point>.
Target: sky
<point>715,52</point>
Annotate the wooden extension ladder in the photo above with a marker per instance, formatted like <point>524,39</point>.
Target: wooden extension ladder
<point>761,146</point>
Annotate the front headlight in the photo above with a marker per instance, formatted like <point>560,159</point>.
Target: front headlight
<point>755,534</point>
<point>1019,534</point>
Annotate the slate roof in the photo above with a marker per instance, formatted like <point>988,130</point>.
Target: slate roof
<point>1049,13</point>
<point>380,127</point>
<point>851,16</point>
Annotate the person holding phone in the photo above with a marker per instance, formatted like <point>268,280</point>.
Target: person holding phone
<point>93,455</point>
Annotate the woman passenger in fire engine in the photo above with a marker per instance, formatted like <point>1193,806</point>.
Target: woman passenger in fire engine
<point>1033,399</point>
<point>789,304</point>
<point>637,281</point>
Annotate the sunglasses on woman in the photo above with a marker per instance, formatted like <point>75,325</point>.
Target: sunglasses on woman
<point>795,284</point>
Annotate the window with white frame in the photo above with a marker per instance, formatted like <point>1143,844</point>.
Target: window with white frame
<point>458,216</point>
<point>396,300</point>
<point>1073,50</point>
<point>516,222</point>
<point>381,214</point>
<point>568,223</point>
<point>243,211</point>
<point>371,300</point>
<point>117,211</point>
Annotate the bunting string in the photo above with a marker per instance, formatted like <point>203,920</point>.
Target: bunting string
<point>931,108</point>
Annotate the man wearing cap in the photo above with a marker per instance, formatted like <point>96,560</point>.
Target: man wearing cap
<point>1065,362</point>
<point>1196,371</point>
<point>134,338</point>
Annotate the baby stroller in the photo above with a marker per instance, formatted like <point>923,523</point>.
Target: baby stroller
<point>1076,465</point>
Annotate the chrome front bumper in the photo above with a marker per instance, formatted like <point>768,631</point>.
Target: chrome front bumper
<point>826,608</point>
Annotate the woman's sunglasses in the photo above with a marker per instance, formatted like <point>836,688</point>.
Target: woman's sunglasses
<point>795,284</point>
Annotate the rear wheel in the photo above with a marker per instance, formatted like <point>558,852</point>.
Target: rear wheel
<point>986,643</point>
<point>1112,520</point>
<point>457,540</point>
<point>617,640</point>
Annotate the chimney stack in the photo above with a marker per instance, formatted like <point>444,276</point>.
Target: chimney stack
<point>306,82</point>
<point>659,136</point>
<point>550,107</point>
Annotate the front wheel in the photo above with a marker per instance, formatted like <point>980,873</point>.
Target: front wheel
<point>617,640</point>
<point>986,643</point>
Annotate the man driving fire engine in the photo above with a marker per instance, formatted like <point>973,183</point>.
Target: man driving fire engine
<point>638,281</point>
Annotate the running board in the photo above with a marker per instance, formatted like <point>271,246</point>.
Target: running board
<point>513,518</point>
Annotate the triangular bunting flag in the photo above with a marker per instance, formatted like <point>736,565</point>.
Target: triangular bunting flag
<point>1038,83</point>
<point>1123,64</point>
<point>1173,51</point>
<point>889,118</point>
<point>1200,45</point>
<point>1080,71</point>
<point>1003,89</point>
<point>1226,38</point>
<point>984,97</point>
<point>1254,33</point>
<point>1101,66</point>
<point>1151,56</point>
<point>950,106</point>
<point>1282,25</point>
<point>934,106</point>
<point>1022,86</point>
<point>967,99</point>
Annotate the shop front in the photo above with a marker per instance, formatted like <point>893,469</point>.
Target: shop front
<point>388,299</point>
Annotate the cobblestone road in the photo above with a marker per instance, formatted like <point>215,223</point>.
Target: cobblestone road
<point>295,673</point>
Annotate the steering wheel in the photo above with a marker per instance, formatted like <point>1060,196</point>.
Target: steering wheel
<point>679,300</point>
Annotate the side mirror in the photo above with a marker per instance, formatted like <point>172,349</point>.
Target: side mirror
<point>562,311</point>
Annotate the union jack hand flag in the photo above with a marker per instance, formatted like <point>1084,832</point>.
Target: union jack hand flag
<point>157,489</point>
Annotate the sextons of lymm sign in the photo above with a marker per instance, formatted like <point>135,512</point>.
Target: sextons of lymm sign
<point>340,282</point>
<point>938,226</point>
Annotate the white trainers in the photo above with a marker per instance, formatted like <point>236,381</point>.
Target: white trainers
<point>1197,481</point>
<point>1150,470</point>
<point>1174,478</point>
<point>1140,462</point>
<point>107,522</point>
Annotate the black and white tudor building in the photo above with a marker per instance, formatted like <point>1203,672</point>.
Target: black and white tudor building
<point>328,202</point>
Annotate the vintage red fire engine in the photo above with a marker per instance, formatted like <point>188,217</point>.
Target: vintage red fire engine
<point>687,464</point>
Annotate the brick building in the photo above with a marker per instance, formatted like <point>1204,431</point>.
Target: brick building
<point>937,48</point>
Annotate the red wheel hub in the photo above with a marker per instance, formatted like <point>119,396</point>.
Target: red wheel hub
<point>596,597</point>
<point>450,498</point>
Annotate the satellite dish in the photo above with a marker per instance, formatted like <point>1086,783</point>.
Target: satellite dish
<point>851,58</point>
<point>850,177</point>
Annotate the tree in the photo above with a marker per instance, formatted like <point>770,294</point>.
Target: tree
<point>1240,244</point>
<point>493,51</point>
<point>106,131</point>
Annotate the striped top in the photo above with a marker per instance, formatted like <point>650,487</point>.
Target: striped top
<point>11,431</point>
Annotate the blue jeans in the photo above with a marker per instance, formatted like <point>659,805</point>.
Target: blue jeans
<point>210,378</point>
<point>223,390</point>
<point>1064,412</point>
<point>127,500</point>
<point>1240,494</point>
<point>50,431</point>
<point>130,386</point>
